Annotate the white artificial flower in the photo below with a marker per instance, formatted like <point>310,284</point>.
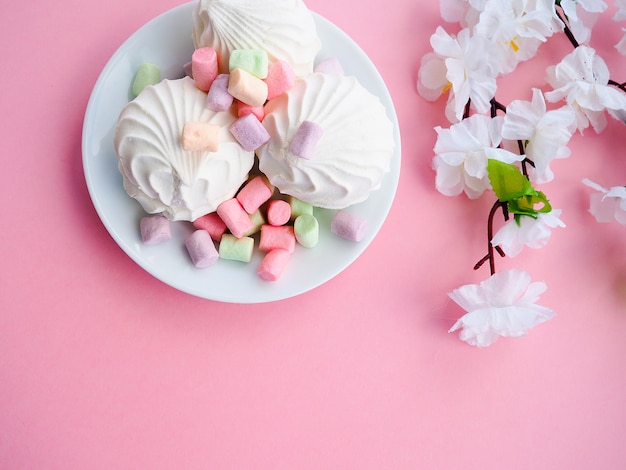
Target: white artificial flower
<point>462,152</point>
<point>582,16</point>
<point>503,305</point>
<point>464,12</point>
<point>581,79</point>
<point>607,204</point>
<point>530,232</point>
<point>517,28</point>
<point>461,65</point>
<point>620,15</point>
<point>547,132</point>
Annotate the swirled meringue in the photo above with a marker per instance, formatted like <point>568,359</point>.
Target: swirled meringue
<point>353,153</point>
<point>285,29</point>
<point>158,172</point>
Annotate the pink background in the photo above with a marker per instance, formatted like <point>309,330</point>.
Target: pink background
<point>103,366</point>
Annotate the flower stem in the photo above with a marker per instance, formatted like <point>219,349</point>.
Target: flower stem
<point>490,248</point>
<point>566,28</point>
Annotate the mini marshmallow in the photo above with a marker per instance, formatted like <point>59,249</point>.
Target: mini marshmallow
<point>211,223</point>
<point>254,194</point>
<point>331,65</point>
<point>299,207</point>
<point>235,217</point>
<point>280,78</point>
<point>306,229</point>
<point>273,237</point>
<point>258,221</point>
<point>249,132</point>
<point>147,74</point>
<point>201,249</point>
<point>201,137</point>
<point>247,88</point>
<point>278,212</point>
<point>305,139</point>
<point>218,98</point>
<point>244,109</point>
<point>155,229</point>
<point>204,68</point>
<point>348,226</point>
<point>253,61</point>
<point>236,249</point>
<point>273,264</point>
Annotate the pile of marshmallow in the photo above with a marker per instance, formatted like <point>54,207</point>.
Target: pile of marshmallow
<point>281,222</point>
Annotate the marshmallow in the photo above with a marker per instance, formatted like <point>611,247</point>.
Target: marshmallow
<point>280,78</point>
<point>253,61</point>
<point>331,65</point>
<point>237,249</point>
<point>201,137</point>
<point>278,212</point>
<point>249,132</point>
<point>306,229</point>
<point>273,264</point>
<point>147,74</point>
<point>254,194</point>
<point>244,109</point>
<point>305,139</point>
<point>204,67</point>
<point>218,98</point>
<point>155,229</point>
<point>258,221</point>
<point>201,249</point>
<point>235,217</point>
<point>348,226</point>
<point>211,223</point>
<point>247,88</point>
<point>273,237</point>
<point>299,207</point>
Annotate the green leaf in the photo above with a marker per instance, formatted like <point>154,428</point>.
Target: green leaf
<point>507,181</point>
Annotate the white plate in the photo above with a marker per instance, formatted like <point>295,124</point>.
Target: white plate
<point>166,41</point>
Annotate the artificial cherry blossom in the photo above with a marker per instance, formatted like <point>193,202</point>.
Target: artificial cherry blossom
<point>582,15</point>
<point>461,65</point>
<point>533,232</point>
<point>620,15</point>
<point>582,80</point>
<point>607,204</point>
<point>462,152</point>
<point>547,132</point>
<point>502,305</point>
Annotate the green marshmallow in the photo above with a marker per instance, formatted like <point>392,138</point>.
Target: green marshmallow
<point>253,61</point>
<point>237,249</point>
<point>257,222</point>
<point>299,207</point>
<point>307,230</point>
<point>147,74</point>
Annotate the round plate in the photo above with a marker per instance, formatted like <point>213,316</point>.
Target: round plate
<point>166,42</point>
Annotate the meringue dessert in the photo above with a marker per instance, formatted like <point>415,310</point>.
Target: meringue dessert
<point>158,172</point>
<point>285,29</point>
<point>352,155</point>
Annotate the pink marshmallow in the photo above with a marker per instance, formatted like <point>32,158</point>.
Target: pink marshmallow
<point>155,229</point>
<point>305,139</point>
<point>280,78</point>
<point>211,223</point>
<point>201,249</point>
<point>278,212</point>
<point>235,217</point>
<point>273,264</point>
<point>204,67</point>
<point>249,132</point>
<point>201,137</point>
<point>332,66</point>
<point>273,238</point>
<point>348,226</point>
<point>247,88</point>
<point>218,98</point>
<point>244,109</point>
<point>254,194</point>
